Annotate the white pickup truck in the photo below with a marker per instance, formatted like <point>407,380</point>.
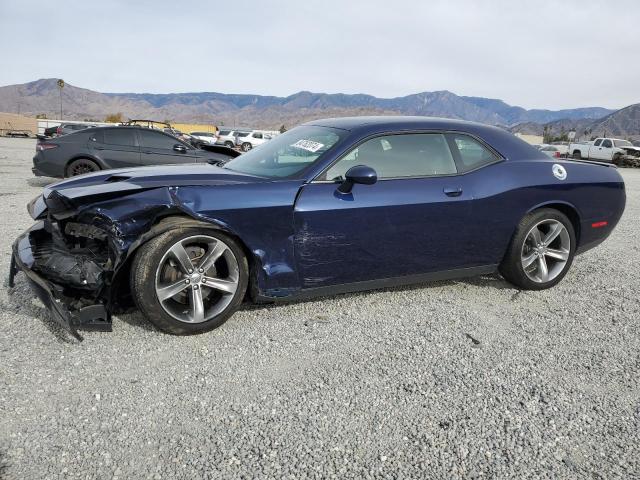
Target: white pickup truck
<point>608,149</point>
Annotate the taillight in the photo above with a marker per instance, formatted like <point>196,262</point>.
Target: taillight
<point>59,130</point>
<point>556,154</point>
<point>45,146</point>
<point>599,224</point>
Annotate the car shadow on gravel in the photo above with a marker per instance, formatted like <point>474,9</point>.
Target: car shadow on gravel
<point>485,281</point>
<point>41,181</point>
<point>135,319</point>
<point>20,301</point>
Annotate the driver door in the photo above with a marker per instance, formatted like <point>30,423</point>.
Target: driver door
<point>412,221</point>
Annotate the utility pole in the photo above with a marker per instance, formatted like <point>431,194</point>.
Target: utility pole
<point>60,86</point>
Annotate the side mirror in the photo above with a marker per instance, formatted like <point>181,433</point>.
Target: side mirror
<point>180,148</point>
<point>358,174</point>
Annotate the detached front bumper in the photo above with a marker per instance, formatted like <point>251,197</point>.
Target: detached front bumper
<point>71,312</point>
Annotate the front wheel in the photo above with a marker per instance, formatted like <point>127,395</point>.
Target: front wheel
<point>541,250</point>
<point>188,281</point>
<point>617,159</point>
<point>246,146</point>
<point>229,144</point>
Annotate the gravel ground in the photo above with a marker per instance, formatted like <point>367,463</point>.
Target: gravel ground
<point>452,379</point>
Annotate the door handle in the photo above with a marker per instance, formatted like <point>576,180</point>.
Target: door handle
<point>147,151</point>
<point>452,192</point>
<point>99,148</point>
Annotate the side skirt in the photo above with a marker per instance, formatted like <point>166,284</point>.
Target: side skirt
<point>381,283</point>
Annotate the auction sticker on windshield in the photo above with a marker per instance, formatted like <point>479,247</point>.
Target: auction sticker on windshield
<point>308,145</point>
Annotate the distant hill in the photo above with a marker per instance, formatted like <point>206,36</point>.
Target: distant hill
<point>42,97</point>
<point>623,123</point>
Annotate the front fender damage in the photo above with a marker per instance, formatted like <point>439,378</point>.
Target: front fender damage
<point>76,261</point>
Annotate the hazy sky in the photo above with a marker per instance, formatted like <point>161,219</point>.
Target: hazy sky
<point>537,54</point>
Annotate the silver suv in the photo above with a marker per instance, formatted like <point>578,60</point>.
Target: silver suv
<point>227,138</point>
<point>248,140</point>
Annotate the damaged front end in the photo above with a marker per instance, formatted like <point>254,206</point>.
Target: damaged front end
<point>67,272</point>
<point>70,257</point>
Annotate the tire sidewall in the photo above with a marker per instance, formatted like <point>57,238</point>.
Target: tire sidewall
<point>512,268</point>
<point>143,279</point>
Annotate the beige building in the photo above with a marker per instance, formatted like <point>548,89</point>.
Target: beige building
<point>11,122</point>
<point>531,139</point>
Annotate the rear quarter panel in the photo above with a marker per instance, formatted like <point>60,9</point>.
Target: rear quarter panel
<point>504,193</point>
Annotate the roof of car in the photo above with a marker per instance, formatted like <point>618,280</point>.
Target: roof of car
<point>504,142</point>
<point>351,123</point>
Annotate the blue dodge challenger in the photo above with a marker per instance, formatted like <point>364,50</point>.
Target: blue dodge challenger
<point>331,206</point>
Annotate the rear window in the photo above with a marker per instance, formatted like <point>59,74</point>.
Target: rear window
<point>120,136</point>
<point>470,153</point>
<point>243,134</point>
<point>225,132</point>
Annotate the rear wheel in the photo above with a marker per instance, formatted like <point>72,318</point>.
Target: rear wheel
<point>228,144</point>
<point>577,155</point>
<point>189,281</point>
<point>81,166</point>
<point>246,146</point>
<point>541,251</point>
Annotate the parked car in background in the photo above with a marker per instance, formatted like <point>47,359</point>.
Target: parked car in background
<point>206,137</point>
<point>103,148</point>
<point>555,151</point>
<point>65,129</point>
<point>247,141</point>
<point>332,206</point>
<point>603,149</point>
<point>227,138</point>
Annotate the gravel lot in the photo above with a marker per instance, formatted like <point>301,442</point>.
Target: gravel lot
<point>453,379</point>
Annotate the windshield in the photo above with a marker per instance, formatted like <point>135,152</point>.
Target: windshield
<point>287,154</point>
<point>622,143</point>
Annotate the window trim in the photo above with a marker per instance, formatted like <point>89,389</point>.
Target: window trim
<point>499,157</point>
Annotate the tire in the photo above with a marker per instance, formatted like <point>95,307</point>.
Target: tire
<point>152,272</point>
<point>616,160</point>
<point>577,155</point>
<point>521,251</point>
<point>246,146</point>
<point>229,144</point>
<point>81,166</point>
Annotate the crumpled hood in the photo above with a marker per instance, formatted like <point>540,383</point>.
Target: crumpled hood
<point>125,180</point>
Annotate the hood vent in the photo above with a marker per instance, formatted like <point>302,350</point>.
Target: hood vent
<point>117,178</point>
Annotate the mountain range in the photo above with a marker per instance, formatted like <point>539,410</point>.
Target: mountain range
<point>260,111</point>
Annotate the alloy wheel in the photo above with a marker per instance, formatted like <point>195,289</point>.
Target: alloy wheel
<point>545,251</point>
<point>81,168</point>
<point>197,278</point>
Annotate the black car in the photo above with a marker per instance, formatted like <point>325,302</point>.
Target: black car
<point>102,148</point>
<point>65,129</point>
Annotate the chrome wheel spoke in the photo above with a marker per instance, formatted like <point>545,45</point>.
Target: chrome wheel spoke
<point>557,254</point>
<point>226,286</point>
<point>529,259</point>
<point>535,235</point>
<point>197,304</point>
<point>543,270</point>
<point>212,255</point>
<point>172,290</point>
<point>555,230</point>
<point>180,254</point>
